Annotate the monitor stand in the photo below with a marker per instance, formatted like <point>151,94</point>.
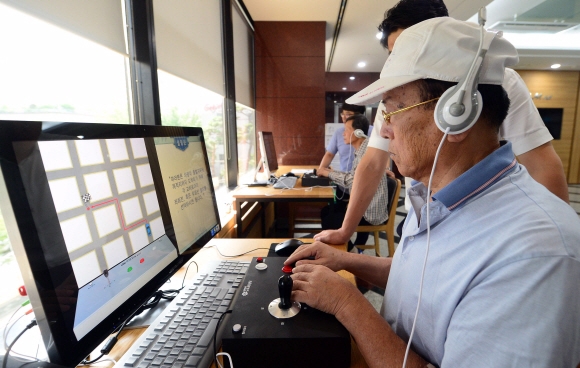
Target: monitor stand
<point>265,175</point>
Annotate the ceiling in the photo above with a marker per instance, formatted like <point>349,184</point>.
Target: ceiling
<point>538,46</point>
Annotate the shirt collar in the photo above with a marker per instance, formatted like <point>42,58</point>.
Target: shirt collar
<point>478,178</point>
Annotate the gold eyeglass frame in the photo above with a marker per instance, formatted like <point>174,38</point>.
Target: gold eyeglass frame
<point>387,115</point>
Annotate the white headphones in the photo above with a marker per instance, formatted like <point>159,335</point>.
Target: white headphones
<point>459,107</point>
<point>359,133</point>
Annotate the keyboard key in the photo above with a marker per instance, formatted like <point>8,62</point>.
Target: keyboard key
<point>131,361</point>
<point>198,351</point>
<point>157,361</point>
<point>192,361</point>
<point>208,334</point>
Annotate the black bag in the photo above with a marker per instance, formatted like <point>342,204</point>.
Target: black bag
<point>332,216</point>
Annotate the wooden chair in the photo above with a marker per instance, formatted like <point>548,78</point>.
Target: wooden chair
<point>394,186</point>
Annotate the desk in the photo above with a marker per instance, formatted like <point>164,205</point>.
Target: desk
<point>209,252</point>
<point>269,194</point>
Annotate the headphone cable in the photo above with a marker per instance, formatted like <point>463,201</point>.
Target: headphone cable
<point>428,245</point>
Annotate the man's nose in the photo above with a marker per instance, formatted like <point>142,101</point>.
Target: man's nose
<point>386,131</point>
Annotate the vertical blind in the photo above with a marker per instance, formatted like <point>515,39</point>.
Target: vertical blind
<point>243,57</point>
<point>188,41</point>
<point>99,21</point>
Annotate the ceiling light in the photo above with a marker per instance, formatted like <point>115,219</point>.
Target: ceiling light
<point>379,35</point>
<point>362,64</point>
<point>555,66</point>
<point>344,88</point>
<point>351,77</point>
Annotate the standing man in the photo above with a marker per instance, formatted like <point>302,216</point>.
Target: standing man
<point>523,127</point>
<point>377,212</point>
<point>486,273</point>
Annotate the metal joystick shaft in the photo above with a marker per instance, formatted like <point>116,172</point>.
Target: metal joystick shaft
<point>285,288</point>
<point>283,307</point>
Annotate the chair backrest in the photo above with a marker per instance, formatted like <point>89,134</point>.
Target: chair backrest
<point>394,187</point>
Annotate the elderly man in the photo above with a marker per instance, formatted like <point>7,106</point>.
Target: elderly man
<point>523,127</point>
<point>489,258</point>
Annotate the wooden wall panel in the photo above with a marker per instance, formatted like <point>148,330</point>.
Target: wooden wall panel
<point>290,81</point>
<point>574,172</point>
<point>562,86</point>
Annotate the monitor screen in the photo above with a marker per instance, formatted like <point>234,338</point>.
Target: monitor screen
<point>552,118</point>
<point>103,215</point>
<point>268,151</point>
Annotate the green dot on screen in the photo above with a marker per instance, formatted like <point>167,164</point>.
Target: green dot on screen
<point>129,269</point>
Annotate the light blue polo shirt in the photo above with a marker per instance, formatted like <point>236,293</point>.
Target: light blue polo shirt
<point>502,281</point>
<point>345,151</point>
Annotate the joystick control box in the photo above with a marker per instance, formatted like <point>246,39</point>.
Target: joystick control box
<point>255,338</point>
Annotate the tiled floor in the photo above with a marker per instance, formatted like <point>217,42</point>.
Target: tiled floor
<point>375,295</point>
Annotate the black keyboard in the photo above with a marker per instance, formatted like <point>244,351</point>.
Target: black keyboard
<point>182,336</point>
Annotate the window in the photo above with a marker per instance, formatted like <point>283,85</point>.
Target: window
<point>186,104</point>
<point>246,125</point>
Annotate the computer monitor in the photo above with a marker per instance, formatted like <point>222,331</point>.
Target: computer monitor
<point>268,159</point>
<point>99,217</point>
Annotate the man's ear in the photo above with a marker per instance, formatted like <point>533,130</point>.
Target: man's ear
<point>456,138</point>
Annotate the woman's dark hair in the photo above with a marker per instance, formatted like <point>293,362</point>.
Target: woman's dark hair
<point>407,13</point>
<point>359,122</point>
<point>494,98</point>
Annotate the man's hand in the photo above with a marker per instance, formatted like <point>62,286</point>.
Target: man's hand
<point>333,236</point>
<point>321,253</point>
<point>321,288</point>
<point>390,174</point>
<point>323,171</point>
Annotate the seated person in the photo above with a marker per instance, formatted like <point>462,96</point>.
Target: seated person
<point>337,144</point>
<point>377,212</point>
<point>486,272</point>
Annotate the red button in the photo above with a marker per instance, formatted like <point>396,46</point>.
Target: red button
<point>260,260</point>
<point>287,269</point>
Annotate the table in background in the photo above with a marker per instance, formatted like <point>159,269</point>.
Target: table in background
<point>268,194</point>
<point>226,249</point>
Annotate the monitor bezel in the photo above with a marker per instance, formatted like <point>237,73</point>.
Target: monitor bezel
<point>61,344</point>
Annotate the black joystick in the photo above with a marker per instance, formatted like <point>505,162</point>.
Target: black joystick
<point>285,288</point>
<point>283,307</point>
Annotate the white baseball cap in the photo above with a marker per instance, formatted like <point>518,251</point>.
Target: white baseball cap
<point>439,48</point>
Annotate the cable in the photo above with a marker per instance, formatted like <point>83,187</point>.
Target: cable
<point>229,358</point>
<point>215,333</point>
<point>428,244</point>
<point>28,327</point>
<point>241,254</point>
<point>5,333</point>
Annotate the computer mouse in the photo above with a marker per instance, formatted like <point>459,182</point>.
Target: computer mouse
<point>288,174</point>
<point>286,248</point>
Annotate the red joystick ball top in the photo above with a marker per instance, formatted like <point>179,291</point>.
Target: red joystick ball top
<point>260,260</point>
<point>287,269</point>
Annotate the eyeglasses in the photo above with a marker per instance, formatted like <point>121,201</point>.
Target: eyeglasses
<point>387,116</point>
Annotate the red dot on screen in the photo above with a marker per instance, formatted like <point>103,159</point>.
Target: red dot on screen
<point>142,260</point>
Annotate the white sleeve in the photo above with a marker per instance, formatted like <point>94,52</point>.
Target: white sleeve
<point>376,141</point>
<point>523,125</point>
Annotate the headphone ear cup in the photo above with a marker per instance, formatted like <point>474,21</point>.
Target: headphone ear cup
<point>455,116</point>
<point>359,133</point>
